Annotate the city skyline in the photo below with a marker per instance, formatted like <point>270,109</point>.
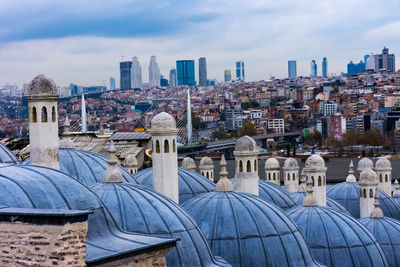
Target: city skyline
<point>85,47</point>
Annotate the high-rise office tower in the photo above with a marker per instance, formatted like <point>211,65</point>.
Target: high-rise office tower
<point>172,78</point>
<point>185,72</point>
<point>227,75</point>
<point>154,72</point>
<point>240,70</point>
<point>125,75</point>
<point>313,68</point>
<point>292,69</point>
<point>73,88</point>
<point>370,63</point>
<point>136,73</point>
<point>112,83</point>
<point>353,68</point>
<point>385,61</point>
<point>202,71</point>
<point>324,67</point>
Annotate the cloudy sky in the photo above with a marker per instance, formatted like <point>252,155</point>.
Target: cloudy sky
<point>82,41</point>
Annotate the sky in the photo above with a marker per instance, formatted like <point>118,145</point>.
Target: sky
<point>82,41</point>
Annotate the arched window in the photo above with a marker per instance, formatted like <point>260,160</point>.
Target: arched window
<point>53,114</point>
<point>44,114</point>
<point>269,176</point>
<point>312,178</point>
<point>240,166</point>
<point>255,165</point>
<point>293,177</point>
<point>288,176</point>
<point>319,181</point>
<point>386,178</point>
<point>361,193</point>
<point>157,146</point>
<point>273,177</point>
<point>174,146</point>
<point>371,193</point>
<point>365,193</point>
<point>34,114</point>
<point>248,166</point>
<point>166,146</point>
<point>380,178</point>
<point>207,175</point>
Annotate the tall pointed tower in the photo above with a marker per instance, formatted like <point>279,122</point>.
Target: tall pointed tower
<point>43,122</point>
<point>165,158</point>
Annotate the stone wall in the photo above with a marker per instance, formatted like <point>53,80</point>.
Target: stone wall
<point>23,244</point>
<point>149,259</point>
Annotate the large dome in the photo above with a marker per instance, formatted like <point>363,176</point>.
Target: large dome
<point>336,239</point>
<point>190,183</point>
<point>247,231</point>
<point>140,210</point>
<point>387,232</point>
<point>43,188</point>
<point>6,156</point>
<point>86,167</point>
<point>298,198</point>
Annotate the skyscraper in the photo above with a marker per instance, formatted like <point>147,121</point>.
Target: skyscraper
<point>385,61</point>
<point>324,67</point>
<point>112,83</point>
<point>136,73</point>
<point>172,78</point>
<point>125,75</point>
<point>73,88</point>
<point>185,72</point>
<point>370,63</point>
<point>227,75</point>
<point>313,68</point>
<point>292,69</point>
<point>353,68</point>
<point>202,71</point>
<point>240,70</point>
<point>154,72</point>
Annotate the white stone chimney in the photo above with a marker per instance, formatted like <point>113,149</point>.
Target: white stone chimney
<point>316,170</point>
<point>207,168</point>
<point>43,122</point>
<point>164,155</point>
<point>273,171</point>
<point>383,169</point>
<point>189,163</point>
<point>368,186</point>
<point>291,174</point>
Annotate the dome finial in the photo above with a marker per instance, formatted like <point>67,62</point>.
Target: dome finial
<point>309,200</point>
<point>223,184</point>
<point>396,193</point>
<point>112,174</point>
<point>377,212</point>
<point>302,186</point>
<point>350,177</point>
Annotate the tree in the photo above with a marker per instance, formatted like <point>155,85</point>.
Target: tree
<point>248,129</point>
<point>314,138</point>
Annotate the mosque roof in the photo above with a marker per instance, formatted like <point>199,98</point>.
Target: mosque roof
<point>6,156</point>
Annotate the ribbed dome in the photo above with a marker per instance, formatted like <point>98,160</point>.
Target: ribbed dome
<point>188,163</point>
<point>190,183</point>
<point>348,195</point>
<point>315,161</point>
<point>336,239</point>
<point>42,85</point>
<point>86,167</point>
<point>206,161</point>
<point>291,163</point>
<point>140,210</point>
<point>43,188</point>
<point>383,164</point>
<point>273,194</point>
<point>247,231</point>
<point>163,121</point>
<point>6,156</point>
<point>272,164</point>
<point>298,198</point>
<point>365,163</point>
<point>246,144</point>
<point>368,176</point>
<point>387,232</point>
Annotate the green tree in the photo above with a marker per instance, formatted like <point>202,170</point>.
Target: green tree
<point>248,129</point>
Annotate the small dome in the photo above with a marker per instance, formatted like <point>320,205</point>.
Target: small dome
<point>143,211</point>
<point>42,86</point>
<point>246,144</point>
<point>272,164</point>
<point>247,231</point>
<point>188,163</point>
<point>163,121</point>
<point>206,161</point>
<point>336,239</point>
<point>383,164</point>
<point>365,163</point>
<point>86,167</point>
<point>387,232</point>
<point>130,161</point>
<point>315,161</point>
<point>298,198</point>
<point>291,163</point>
<point>6,156</point>
<point>190,183</point>
<point>368,176</point>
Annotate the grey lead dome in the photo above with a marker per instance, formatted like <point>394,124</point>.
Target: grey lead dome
<point>42,85</point>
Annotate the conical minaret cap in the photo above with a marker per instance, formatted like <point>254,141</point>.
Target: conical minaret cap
<point>377,211</point>
<point>112,174</point>
<point>350,177</point>
<point>223,184</point>
<point>309,200</point>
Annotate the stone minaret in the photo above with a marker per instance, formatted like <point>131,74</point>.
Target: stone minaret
<point>316,170</point>
<point>291,174</point>
<point>43,122</point>
<point>131,164</point>
<point>376,213</point>
<point>165,158</point>
<point>66,141</point>
<point>350,177</point>
<point>207,168</point>
<point>383,169</point>
<point>273,171</point>
<point>189,163</point>
<point>368,186</point>
<point>246,153</point>
<point>112,174</point>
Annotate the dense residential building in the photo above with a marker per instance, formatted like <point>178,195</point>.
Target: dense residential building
<point>234,118</point>
<point>329,109</point>
<point>324,67</point>
<point>136,74</point>
<point>385,61</point>
<point>185,72</point>
<point>292,69</point>
<point>240,70</point>
<point>154,72</point>
<point>202,71</point>
<point>227,75</point>
<point>125,75</point>
<point>314,69</point>
<point>276,125</point>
